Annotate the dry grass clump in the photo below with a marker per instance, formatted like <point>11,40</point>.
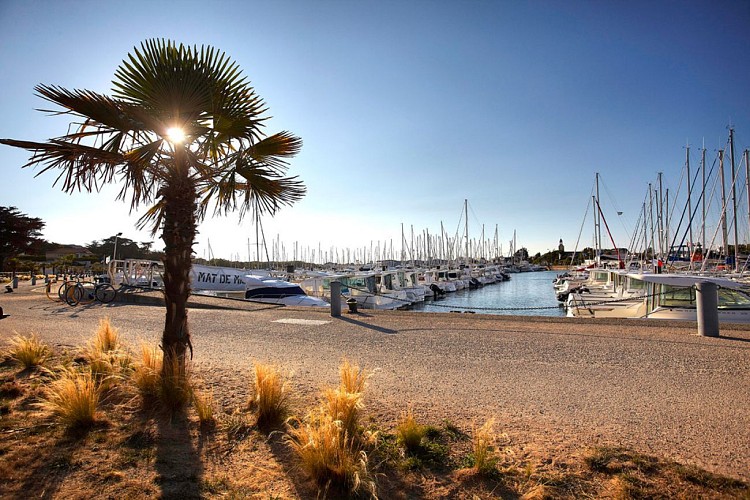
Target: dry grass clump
<point>108,358</point>
<point>343,407</point>
<point>353,378</point>
<point>174,386</point>
<point>237,426</point>
<point>106,338</point>
<point>29,351</point>
<point>167,385</point>
<point>330,455</point>
<point>344,404</point>
<point>483,444</point>
<point>73,399</point>
<point>409,433</point>
<point>329,442</point>
<point>270,396</point>
<point>147,371</point>
<point>204,407</point>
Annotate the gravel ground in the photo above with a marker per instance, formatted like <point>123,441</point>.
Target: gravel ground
<point>557,383</point>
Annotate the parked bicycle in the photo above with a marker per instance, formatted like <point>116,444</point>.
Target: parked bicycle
<point>82,292</point>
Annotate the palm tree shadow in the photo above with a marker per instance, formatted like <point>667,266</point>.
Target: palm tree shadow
<point>178,464</point>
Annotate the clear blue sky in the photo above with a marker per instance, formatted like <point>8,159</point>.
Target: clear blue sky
<point>407,108</point>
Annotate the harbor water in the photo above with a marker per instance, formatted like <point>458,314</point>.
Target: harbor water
<point>527,294</point>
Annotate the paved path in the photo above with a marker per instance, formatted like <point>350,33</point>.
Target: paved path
<point>655,386</point>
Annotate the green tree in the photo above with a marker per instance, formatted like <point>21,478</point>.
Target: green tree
<point>19,234</point>
<point>126,249</point>
<point>183,133</point>
<point>522,254</point>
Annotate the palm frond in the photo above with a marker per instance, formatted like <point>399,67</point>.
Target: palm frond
<point>141,174</point>
<point>153,218</point>
<point>263,190</point>
<point>102,109</point>
<point>82,167</point>
<point>191,88</point>
<point>283,144</point>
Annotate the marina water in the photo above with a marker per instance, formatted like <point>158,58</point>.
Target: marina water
<point>520,296</point>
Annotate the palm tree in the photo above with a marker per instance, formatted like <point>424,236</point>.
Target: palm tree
<point>183,134</point>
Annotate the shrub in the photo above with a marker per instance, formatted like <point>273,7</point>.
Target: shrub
<point>73,399</point>
<point>270,396</point>
<point>29,351</point>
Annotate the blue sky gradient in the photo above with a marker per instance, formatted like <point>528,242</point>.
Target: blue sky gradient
<point>408,108</point>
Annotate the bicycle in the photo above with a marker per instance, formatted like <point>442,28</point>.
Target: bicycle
<point>82,292</point>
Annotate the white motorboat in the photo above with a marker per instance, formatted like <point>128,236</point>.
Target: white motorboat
<point>665,296</point>
<point>359,286</point>
<point>276,291</point>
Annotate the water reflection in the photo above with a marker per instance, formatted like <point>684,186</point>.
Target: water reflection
<point>518,296</point>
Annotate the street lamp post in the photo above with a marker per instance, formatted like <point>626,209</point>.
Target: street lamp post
<point>114,252</point>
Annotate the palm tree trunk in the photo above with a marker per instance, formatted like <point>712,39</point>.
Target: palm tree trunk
<point>179,196</point>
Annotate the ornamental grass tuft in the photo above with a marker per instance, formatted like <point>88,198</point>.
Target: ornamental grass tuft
<point>344,407</point>
<point>147,371</point>
<point>73,399</point>
<point>483,444</point>
<point>332,458</point>
<point>353,378</point>
<point>106,338</point>
<point>174,386</point>
<point>270,395</point>
<point>29,351</point>
<point>204,407</point>
<point>409,433</point>
<point>108,358</point>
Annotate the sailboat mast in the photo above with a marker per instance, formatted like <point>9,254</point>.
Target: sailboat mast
<point>663,239</point>
<point>703,201</point>
<point>411,247</point>
<point>651,220</point>
<point>597,225</point>
<point>734,201</point>
<point>645,232</point>
<point>466,229</point>
<point>723,204</point>
<point>747,183</point>
<point>690,206</point>
<point>666,227</point>
<point>483,247</point>
<point>497,242</point>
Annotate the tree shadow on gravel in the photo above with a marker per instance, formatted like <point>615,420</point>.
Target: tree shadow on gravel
<point>178,463</point>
